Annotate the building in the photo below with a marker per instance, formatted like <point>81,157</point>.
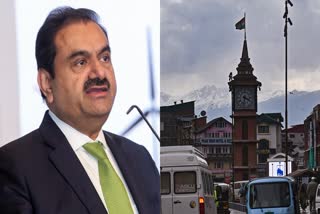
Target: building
<point>176,124</point>
<point>215,141</point>
<point>312,139</point>
<point>269,139</point>
<point>243,87</point>
<point>296,145</point>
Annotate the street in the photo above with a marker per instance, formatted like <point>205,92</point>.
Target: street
<point>232,211</point>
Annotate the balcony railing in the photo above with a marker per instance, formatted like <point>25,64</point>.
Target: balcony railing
<point>219,155</point>
<point>214,140</point>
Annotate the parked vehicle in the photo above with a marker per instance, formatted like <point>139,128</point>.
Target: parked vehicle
<point>186,182</point>
<point>237,186</point>
<point>272,195</point>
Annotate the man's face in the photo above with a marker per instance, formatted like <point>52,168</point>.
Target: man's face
<point>84,86</point>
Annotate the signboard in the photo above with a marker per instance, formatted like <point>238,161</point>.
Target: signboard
<point>279,168</point>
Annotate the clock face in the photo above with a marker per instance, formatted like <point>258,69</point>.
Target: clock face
<point>245,98</point>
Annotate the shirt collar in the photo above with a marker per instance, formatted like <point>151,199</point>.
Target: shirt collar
<point>74,137</point>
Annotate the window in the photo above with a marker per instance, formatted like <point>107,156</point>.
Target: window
<point>207,183</point>
<point>205,151</point>
<point>227,150</point>
<point>226,135</point>
<point>245,155</point>
<point>218,150</point>
<point>204,182</point>
<point>244,129</point>
<point>269,195</point>
<point>218,165</point>
<point>292,136</point>
<point>162,126</point>
<point>219,124</point>
<point>263,129</point>
<point>211,150</point>
<point>185,182</point>
<point>165,183</point>
<point>263,151</point>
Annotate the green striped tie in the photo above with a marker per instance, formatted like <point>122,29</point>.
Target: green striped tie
<point>114,192</point>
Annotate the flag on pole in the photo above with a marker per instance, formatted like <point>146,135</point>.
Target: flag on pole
<point>241,24</point>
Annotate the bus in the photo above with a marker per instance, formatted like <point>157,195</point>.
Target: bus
<point>273,195</point>
<point>186,182</point>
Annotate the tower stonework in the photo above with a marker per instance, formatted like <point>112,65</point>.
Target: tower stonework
<point>243,87</point>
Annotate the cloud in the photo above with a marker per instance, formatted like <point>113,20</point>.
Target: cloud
<point>199,43</point>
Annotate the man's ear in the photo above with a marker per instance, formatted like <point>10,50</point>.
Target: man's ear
<point>44,82</point>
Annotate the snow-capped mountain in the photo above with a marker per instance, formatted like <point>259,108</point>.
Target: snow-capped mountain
<point>208,97</point>
<point>217,102</point>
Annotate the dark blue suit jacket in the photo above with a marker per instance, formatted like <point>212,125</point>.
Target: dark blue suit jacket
<point>41,174</point>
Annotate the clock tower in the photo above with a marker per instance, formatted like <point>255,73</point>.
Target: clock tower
<point>243,87</point>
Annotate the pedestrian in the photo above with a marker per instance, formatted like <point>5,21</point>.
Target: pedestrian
<point>217,195</point>
<point>69,165</point>
<point>242,193</point>
<point>303,196</point>
<point>311,193</point>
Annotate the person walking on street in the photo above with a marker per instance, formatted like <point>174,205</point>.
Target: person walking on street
<point>311,193</point>
<point>303,196</point>
<point>242,193</point>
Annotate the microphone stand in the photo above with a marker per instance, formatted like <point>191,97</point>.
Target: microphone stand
<point>144,118</point>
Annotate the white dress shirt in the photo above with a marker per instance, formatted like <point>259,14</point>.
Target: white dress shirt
<point>90,163</point>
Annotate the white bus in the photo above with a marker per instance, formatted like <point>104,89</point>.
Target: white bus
<point>186,183</point>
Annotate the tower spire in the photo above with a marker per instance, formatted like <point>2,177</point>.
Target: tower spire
<point>245,66</point>
<point>245,54</point>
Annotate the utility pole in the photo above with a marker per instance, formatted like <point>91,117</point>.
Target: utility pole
<point>232,147</point>
<point>287,20</point>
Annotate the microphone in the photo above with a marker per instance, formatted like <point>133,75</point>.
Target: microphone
<point>144,118</point>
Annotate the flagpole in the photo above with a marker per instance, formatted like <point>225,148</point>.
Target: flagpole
<point>245,30</point>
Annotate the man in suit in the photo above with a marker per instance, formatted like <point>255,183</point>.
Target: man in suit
<point>50,170</point>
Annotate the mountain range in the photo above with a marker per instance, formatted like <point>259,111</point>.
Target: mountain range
<point>217,102</point>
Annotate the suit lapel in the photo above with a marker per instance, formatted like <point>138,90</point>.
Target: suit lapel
<point>69,166</point>
<point>127,171</point>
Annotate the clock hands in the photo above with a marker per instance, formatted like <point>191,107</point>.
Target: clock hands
<point>246,98</point>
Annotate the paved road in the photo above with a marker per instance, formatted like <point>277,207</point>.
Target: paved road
<point>239,212</point>
<point>235,212</point>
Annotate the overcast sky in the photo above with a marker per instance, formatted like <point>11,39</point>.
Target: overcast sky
<point>200,45</point>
